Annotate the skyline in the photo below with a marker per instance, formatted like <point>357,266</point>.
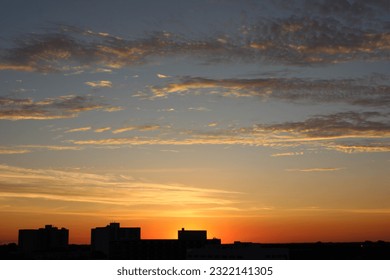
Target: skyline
<point>115,242</point>
<point>263,120</point>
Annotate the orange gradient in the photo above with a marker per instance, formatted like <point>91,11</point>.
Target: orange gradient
<point>326,228</point>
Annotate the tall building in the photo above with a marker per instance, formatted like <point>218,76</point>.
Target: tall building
<point>102,237</point>
<point>48,238</point>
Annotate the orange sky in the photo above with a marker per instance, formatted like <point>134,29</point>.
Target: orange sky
<point>333,227</point>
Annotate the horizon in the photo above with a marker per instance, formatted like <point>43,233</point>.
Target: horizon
<point>85,240</point>
<point>191,229</point>
<point>261,121</point>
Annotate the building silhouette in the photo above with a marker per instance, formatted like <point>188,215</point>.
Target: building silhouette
<point>103,237</point>
<point>47,239</point>
<point>114,242</point>
<point>188,235</point>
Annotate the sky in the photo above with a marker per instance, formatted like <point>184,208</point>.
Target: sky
<point>263,121</point>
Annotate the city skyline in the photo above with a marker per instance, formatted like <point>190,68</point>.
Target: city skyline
<point>264,121</point>
<point>115,242</point>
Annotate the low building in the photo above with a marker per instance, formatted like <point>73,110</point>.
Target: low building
<point>45,239</point>
<point>189,235</point>
<point>161,249</point>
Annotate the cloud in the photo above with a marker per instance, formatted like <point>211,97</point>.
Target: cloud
<point>25,149</point>
<point>298,40</point>
<point>200,140</point>
<point>339,125</point>
<point>82,191</point>
<point>99,84</point>
<point>13,151</point>
<point>51,147</point>
<point>63,107</point>
<point>72,48</point>
<point>375,147</point>
<point>344,132</point>
<point>200,109</point>
<point>113,109</point>
<point>362,92</point>
<point>167,110</point>
<point>102,129</point>
<point>161,76</point>
<point>124,129</point>
<point>79,129</point>
<point>309,40</point>
<point>289,154</point>
<point>136,127</point>
<point>327,169</point>
<point>212,124</point>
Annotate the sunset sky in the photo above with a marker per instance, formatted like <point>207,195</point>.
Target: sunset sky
<point>263,121</point>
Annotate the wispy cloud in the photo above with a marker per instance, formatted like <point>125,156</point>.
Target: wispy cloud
<point>162,76</point>
<point>113,109</point>
<point>167,110</point>
<point>102,129</point>
<point>70,48</point>
<point>25,149</point>
<point>13,151</point>
<point>339,125</point>
<point>302,40</point>
<point>68,106</point>
<point>99,84</point>
<point>86,128</point>
<point>375,147</point>
<point>362,92</point>
<point>326,169</point>
<point>124,129</point>
<point>212,124</point>
<point>79,191</point>
<point>51,147</point>
<point>289,154</point>
<point>136,127</point>
<point>345,132</point>
<point>200,109</point>
<point>170,151</point>
<point>309,40</point>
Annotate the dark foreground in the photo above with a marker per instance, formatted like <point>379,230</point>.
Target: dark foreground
<point>368,250</point>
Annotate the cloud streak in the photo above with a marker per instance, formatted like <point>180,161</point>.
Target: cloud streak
<point>26,149</point>
<point>86,128</point>
<point>339,125</point>
<point>314,40</point>
<point>322,169</point>
<point>345,132</point>
<point>289,154</point>
<point>356,92</point>
<point>102,129</point>
<point>136,128</point>
<point>87,190</point>
<point>72,49</point>
<point>99,84</point>
<point>13,151</point>
<point>63,107</point>
<point>299,40</point>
